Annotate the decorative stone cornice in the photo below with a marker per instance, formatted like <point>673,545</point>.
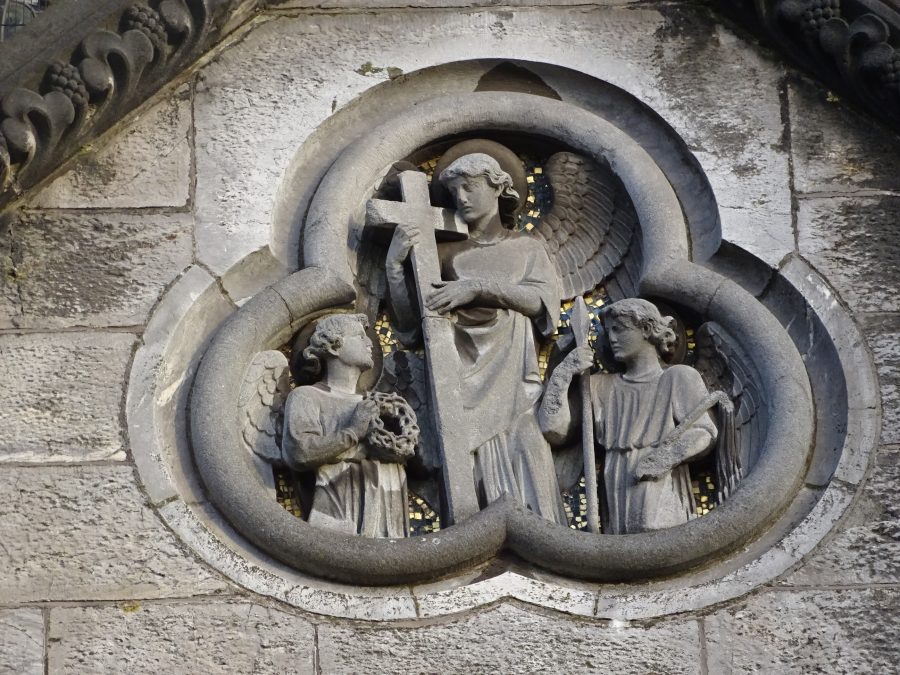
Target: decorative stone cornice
<point>72,74</point>
<point>81,67</point>
<point>853,46</point>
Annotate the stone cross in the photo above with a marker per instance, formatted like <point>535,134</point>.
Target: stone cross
<point>437,332</point>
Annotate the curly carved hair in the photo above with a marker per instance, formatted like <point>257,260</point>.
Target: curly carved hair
<point>480,164</point>
<point>327,339</point>
<point>643,314</point>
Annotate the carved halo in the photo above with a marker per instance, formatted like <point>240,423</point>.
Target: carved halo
<point>506,158</point>
<point>270,318</point>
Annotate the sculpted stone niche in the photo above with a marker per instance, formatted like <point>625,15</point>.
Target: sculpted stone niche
<point>498,341</point>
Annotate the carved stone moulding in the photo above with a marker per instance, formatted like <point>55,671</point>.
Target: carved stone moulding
<point>86,66</point>
<point>852,45</point>
<point>727,551</point>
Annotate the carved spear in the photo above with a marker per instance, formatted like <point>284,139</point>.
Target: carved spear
<point>581,325</point>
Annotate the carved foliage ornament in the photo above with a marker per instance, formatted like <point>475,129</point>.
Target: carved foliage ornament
<point>473,420</point>
<point>851,44</point>
<point>110,71</point>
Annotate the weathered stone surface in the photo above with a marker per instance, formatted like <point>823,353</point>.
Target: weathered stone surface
<point>836,149</point>
<point>171,638</point>
<point>323,66</point>
<point>90,269</point>
<point>739,145</point>
<point>884,341</point>
<point>86,533</point>
<point>849,631</point>
<point>388,4</point>
<point>146,163</point>
<point>853,243</point>
<point>511,639</point>
<point>866,550</point>
<point>436,599</point>
<point>21,642</point>
<point>66,398</point>
<point>159,385</point>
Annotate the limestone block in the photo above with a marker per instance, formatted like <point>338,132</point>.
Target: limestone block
<point>216,637</point>
<point>836,149</point>
<point>89,269</point>
<point>86,533</point>
<point>835,631</point>
<point>884,341</point>
<point>291,74</point>
<point>388,4</point>
<point>853,243</point>
<point>145,163</point>
<point>67,397</point>
<point>866,548</point>
<point>511,639</point>
<point>21,642</point>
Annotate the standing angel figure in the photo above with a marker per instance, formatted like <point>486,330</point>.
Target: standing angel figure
<point>502,288</point>
<point>650,421</point>
<point>331,429</point>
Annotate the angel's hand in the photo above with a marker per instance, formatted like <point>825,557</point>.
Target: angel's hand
<point>579,360</point>
<point>363,417</point>
<point>405,237</point>
<point>656,461</point>
<point>450,295</point>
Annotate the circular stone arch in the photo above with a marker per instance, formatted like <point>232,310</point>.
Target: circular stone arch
<point>271,317</point>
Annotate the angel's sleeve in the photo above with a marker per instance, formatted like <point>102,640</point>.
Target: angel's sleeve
<point>306,443</point>
<point>540,275</point>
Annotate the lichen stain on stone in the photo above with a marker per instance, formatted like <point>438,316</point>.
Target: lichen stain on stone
<point>131,607</point>
<point>368,69</point>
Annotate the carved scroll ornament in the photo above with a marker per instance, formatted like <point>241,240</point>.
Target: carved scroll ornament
<point>93,83</point>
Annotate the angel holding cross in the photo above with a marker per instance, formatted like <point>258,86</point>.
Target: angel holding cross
<point>501,288</point>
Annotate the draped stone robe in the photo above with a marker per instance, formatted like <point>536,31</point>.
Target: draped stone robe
<point>500,379</point>
<point>353,494</point>
<point>630,416</point>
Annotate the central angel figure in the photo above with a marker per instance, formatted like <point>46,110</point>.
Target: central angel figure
<point>503,291</point>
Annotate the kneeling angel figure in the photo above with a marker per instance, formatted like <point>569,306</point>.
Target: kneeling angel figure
<point>331,429</point>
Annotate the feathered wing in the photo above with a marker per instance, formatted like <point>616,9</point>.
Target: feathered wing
<point>591,231</point>
<point>263,394</point>
<point>725,366</point>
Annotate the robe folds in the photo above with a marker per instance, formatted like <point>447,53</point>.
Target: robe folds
<point>631,416</point>
<point>500,380</point>
<point>353,494</point>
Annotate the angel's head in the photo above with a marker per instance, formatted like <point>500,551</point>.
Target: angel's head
<point>632,323</point>
<point>479,187</point>
<point>339,337</point>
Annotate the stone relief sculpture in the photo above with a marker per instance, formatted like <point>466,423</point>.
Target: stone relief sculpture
<point>650,421</point>
<point>444,244</point>
<point>490,295</point>
<point>335,432</point>
<point>502,289</point>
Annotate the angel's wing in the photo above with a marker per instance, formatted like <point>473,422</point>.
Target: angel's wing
<point>263,394</point>
<point>591,230</point>
<point>404,373</point>
<point>726,367</point>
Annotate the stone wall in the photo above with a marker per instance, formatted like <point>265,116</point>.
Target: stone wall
<point>92,579</point>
